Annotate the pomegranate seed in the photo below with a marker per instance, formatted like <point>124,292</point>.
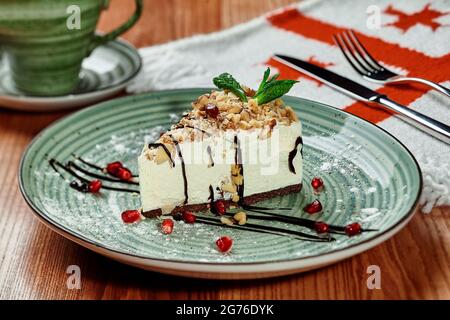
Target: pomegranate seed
<point>317,183</point>
<point>124,174</point>
<point>313,207</point>
<point>321,227</point>
<point>113,167</point>
<point>94,186</point>
<point>224,244</point>
<point>189,217</point>
<point>131,216</point>
<point>167,226</point>
<point>211,110</point>
<point>220,207</point>
<point>353,229</point>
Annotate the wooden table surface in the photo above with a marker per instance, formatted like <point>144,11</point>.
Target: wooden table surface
<point>415,264</point>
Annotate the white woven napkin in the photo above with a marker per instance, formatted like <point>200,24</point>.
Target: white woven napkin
<point>411,37</point>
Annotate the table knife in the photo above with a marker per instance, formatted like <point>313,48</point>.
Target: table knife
<point>360,92</point>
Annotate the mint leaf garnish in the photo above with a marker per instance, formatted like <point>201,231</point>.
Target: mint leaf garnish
<point>271,89</point>
<point>225,81</point>
<point>263,82</point>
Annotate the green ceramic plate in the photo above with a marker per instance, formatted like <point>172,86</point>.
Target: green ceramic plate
<point>369,177</point>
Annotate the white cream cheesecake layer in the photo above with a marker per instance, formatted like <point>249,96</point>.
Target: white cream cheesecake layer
<point>265,167</point>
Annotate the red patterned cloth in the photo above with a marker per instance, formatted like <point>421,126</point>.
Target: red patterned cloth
<point>412,37</point>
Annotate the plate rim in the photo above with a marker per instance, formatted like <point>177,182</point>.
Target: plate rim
<point>52,99</point>
<point>62,230</point>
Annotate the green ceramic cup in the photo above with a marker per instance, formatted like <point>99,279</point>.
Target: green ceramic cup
<point>44,42</point>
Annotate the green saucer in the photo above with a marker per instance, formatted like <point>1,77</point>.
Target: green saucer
<point>105,72</point>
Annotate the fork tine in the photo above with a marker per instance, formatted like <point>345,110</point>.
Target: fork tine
<point>355,54</point>
<point>358,52</point>
<point>363,51</point>
<point>337,39</point>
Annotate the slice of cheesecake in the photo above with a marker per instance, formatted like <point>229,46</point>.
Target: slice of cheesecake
<point>224,148</point>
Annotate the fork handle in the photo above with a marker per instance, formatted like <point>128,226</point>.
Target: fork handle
<point>437,129</point>
<point>432,84</point>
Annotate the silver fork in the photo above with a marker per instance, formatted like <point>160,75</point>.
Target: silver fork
<point>363,63</point>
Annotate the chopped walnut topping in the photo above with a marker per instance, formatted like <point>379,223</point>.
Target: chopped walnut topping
<point>249,92</point>
<point>227,221</point>
<point>161,156</point>
<point>235,169</point>
<point>235,109</point>
<point>232,111</point>
<point>229,187</point>
<point>240,217</point>
<point>233,114</point>
<point>237,180</point>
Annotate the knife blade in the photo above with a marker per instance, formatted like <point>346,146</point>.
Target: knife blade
<point>330,78</point>
<point>360,92</point>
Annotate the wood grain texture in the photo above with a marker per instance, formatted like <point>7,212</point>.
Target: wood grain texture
<point>415,264</point>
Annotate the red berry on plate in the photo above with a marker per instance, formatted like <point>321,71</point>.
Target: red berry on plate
<point>113,168</point>
<point>321,227</point>
<point>167,226</point>
<point>317,183</point>
<point>353,229</point>
<point>313,207</point>
<point>224,244</point>
<point>124,174</point>
<point>220,207</point>
<point>131,216</point>
<point>211,110</point>
<point>94,186</point>
<point>189,217</point>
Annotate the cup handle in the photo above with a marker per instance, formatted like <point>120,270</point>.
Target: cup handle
<point>102,39</point>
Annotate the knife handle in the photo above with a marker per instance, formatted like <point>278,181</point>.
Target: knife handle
<point>437,129</point>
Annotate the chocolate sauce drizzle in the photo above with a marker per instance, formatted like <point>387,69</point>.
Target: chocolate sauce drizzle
<point>73,165</point>
<point>89,164</point>
<point>267,229</point>
<point>302,222</point>
<point>238,162</point>
<point>212,207</point>
<point>79,186</point>
<point>293,153</point>
<point>203,131</point>
<point>183,170</point>
<point>82,184</point>
<point>211,160</point>
<point>97,167</point>
<point>252,207</point>
<point>273,216</point>
<point>211,194</point>
<point>156,145</point>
